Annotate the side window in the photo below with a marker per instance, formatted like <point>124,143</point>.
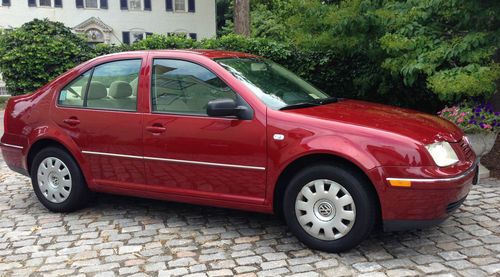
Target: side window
<point>184,87</point>
<point>72,94</point>
<point>114,86</point>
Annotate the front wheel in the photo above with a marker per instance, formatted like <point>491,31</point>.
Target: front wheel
<point>57,181</point>
<point>329,208</point>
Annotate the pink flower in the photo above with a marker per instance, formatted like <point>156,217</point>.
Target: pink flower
<point>487,126</point>
<point>460,120</point>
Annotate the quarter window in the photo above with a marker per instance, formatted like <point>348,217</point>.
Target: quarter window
<point>110,86</point>
<point>185,87</point>
<point>72,95</point>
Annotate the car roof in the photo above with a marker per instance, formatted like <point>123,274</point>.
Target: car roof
<point>209,53</point>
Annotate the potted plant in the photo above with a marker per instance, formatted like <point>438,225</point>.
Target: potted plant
<point>480,124</point>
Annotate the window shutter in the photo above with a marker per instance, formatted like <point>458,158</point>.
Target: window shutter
<point>123,5</point>
<point>126,37</point>
<point>193,36</point>
<point>147,5</point>
<point>104,4</point>
<point>191,6</point>
<point>58,3</point>
<point>6,3</point>
<point>31,3</point>
<point>169,5</point>
<point>79,4</point>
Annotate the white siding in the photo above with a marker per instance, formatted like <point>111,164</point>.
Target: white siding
<point>158,20</point>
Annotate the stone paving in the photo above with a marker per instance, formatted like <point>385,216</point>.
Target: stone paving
<point>136,237</point>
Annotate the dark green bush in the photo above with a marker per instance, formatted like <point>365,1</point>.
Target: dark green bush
<point>37,52</point>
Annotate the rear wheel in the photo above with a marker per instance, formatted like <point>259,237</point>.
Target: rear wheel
<point>57,181</point>
<point>329,208</point>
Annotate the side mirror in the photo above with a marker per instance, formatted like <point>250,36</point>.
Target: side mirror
<point>226,107</point>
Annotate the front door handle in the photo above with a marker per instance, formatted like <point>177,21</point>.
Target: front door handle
<point>72,121</point>
<point>156,129</point>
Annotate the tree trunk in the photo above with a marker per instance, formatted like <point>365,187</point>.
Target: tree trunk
<point>242,17</point>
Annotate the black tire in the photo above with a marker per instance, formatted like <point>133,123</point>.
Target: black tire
<point>79,194</point>
<point>360,191</point>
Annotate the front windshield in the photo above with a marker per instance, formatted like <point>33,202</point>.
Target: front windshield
<point>276,86</point>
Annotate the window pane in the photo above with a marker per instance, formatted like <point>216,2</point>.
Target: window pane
<point>45,3</point>
<point>72,94</point>
<point>135,4</point>
<point>114,86</point>
<point>91,4</point>
<point>273,84</point>
<point>185,87</point>
<point>136,36</point>
<point>180,5</point>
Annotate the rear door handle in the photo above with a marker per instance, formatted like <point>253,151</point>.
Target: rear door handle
<point>156,129</point>
<point>72,121</point>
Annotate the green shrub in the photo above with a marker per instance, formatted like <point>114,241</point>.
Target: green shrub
<point>37,52</point>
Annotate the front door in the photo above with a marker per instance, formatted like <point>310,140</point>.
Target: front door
<point>189,153</point>
<point>99,111</point>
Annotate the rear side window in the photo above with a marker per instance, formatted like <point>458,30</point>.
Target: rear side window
<point>72,95</point>
<point>185,87</point>
<point>111,86</point>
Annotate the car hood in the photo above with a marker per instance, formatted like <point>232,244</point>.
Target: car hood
<point>420,126</point>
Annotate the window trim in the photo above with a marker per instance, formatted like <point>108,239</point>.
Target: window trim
<point>238,96</point>
<point>84,106</point>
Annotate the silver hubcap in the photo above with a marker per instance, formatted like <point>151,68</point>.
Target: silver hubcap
<point>54,180</point>
<point>325,209</point>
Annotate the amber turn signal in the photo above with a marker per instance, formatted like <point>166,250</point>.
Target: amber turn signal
<point>400,183</point>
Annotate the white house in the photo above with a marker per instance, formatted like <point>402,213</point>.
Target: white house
<point>117,21</point>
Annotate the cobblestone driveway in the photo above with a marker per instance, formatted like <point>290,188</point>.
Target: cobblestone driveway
<point>127,236</point>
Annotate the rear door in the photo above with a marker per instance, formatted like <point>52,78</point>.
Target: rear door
<point>99,111</point>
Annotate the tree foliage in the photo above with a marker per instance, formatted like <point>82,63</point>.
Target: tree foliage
<point>404,52</point>
<point>37,52</point>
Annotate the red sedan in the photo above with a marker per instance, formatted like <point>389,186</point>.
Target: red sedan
<point>235,130</point>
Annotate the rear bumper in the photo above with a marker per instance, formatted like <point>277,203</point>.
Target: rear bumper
<point>427,201</point>
<point>13,156</point>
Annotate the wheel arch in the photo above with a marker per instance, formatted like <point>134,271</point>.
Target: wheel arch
<point>41,144</point>
<point>287,174</point>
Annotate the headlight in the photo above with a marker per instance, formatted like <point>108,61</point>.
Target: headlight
<point>442,153</point>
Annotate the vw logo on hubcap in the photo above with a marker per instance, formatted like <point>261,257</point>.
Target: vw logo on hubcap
<point>325,209</point>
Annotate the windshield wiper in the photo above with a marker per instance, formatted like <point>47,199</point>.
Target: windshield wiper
<point>328,100</point>
<point>313,103</point>
<point>299,105</point>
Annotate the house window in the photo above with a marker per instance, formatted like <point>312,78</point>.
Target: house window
<point>183,35</point>
<point>133,36</point>
<point>45,3</point>
<point>135,5</point>
<point>5,3</point>
<point>91,4</point>
<point>180,5</point>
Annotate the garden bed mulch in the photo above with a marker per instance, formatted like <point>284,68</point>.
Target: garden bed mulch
<point>492,160</point>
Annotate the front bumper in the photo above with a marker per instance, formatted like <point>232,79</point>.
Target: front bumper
<point>428,201</point>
